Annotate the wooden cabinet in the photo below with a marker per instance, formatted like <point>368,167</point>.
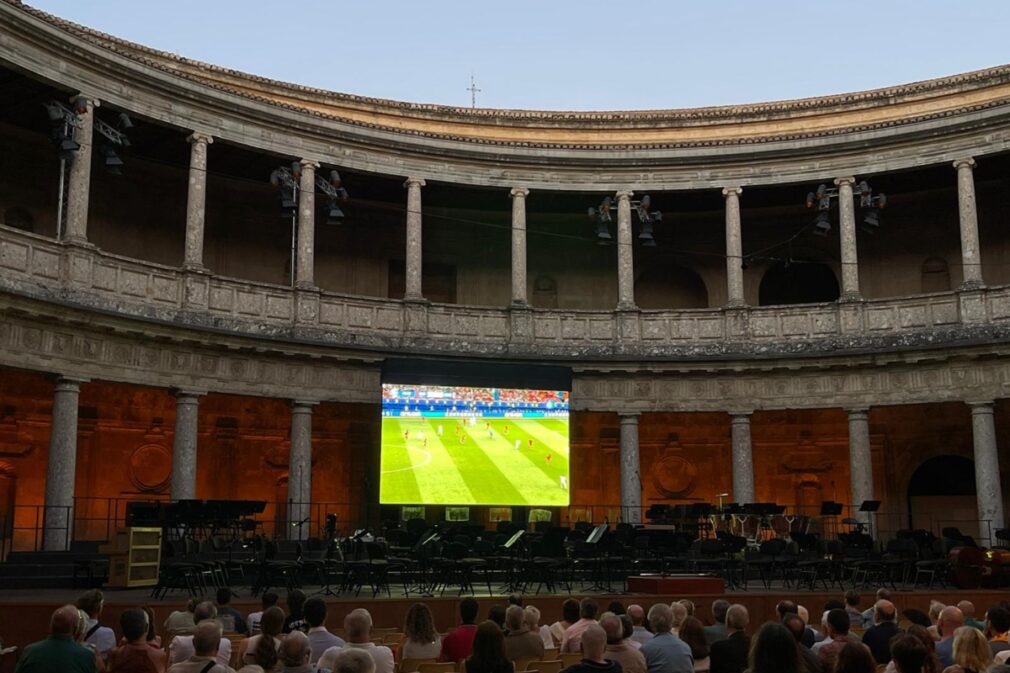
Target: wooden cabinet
<point>134,557</point>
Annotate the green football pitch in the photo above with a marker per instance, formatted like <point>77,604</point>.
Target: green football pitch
<point>497,461</point>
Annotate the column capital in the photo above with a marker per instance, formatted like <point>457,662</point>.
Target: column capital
<point>200,137</point>
<point>520,192</point>
<point>624,195</point>
<point>309,163</point>
<point>303,406</point>
<point>180,393</point>
<point>847,180</point>
<point>628,417</point>
<point>740,416</point>
<point>414,182</point>
<point>981,406</point>
<point>965,162</point>
<point>735,191</point>
<point>70,383</point>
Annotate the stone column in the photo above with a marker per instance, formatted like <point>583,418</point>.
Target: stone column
<point>625,254</point>
<point>519,295</point>
<point>62,468</point>
<point>300,469</point>
<point>79,179</point>
<point>305,266</point>
<point>184,445</point>
<point>847,231</point>
<point>743,461</point>
<point>631,479</point>
<point>414,247</point>
<point>987,480</point>
<point>734,252</point>
<point>860,461</point>
<point>971,261</point>
<point>196,201</point>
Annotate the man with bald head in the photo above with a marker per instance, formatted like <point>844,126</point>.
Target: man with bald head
<point>594,642</point>
<point>665,653</point>
<point>294,653</point>
<point>885,627</point>
<point>358,625</point>
<point>618,649</point>
<point>206,640</point>
<point>639,633</point>
<point>181,648</point>
<point>353,661</point>
<point>967,609</point>
<point>59,652</point>
<point>949,620</point>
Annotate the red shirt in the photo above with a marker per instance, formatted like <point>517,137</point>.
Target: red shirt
<point>458,644</point>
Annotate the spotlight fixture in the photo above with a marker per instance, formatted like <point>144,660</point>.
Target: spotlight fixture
<point>822,224</point>
<point>285,180</point>
<point>125,122</point>
<point>63,122</point>
<point>601,215</point>
<point>334,190</point>
<point>113,164</point>
<point>869,203</point>
<point>646,217</point>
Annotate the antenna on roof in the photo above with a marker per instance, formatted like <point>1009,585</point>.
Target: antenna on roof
<point>473,91</point>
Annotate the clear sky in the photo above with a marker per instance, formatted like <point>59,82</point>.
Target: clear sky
<point>571,54</point>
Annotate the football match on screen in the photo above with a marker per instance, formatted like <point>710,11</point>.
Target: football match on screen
<point>445,445</point>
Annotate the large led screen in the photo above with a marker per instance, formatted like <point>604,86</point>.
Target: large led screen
<point>445,445</point>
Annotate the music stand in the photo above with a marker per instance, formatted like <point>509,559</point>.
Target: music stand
<point>829,510</point>
<point>870,507</point>
<point>597,534</point>
<point>515,538</point>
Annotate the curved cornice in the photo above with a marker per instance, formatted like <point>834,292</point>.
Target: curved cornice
<point>788,141</point>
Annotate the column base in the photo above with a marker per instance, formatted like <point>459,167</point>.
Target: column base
<point>79,241</point>
<point>851,297</point>
<point>971,286</point>
<point>735,304</point>
<point>415,299</point>
<point>626,306</point>
<point>520,304</point>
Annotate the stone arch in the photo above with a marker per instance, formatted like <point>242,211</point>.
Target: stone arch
<point>669,286</point>
<point>935,275</point>
<point>798,282</point>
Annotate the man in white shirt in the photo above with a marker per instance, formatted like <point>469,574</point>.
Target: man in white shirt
<point>320,639</point>
<point>253,620</point>
<point>102,637</point>
<point>181,647</point>
<point>358,625</point>
<point>203,658</point>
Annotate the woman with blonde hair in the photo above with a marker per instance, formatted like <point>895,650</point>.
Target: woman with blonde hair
<point>531,617</point>
<point>420,639</point>
<point>972,653</point>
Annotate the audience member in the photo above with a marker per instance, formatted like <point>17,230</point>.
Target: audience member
<point>616,607</point>
<point>488,651</point>
<point>665,652</point>
<point>204,648</point>
<point>679,615</point>
<point>294,654</point>
<point>516,599</point>
<point>809,635</point>
<point>852,609</point>
<point>967,609</point>
<point>909,654</point>
<point>458,643</point>
<point>998,628</point>
<point>786,607</point>
<point>593,645</point>
<point>972,653</point>
<point>261,649</point>
<point>520,642</point>
<point>102,637</point>
<point>796,626</point>
<point>730,654</point>
<point>692,632</point>
<point>935,608</point>
<point>152,638</point>
<point>181,648</point>
<point>181,621</point>
<point>252,622</point>
<point>295,621</point>
<point>885,627</point>
<point>688,605</point>
<point>917,616</point>
<point>420,639</point>
<point>358,626</point>
<point>569,615</point>
<point>531,617</point>
<point>854,658</point>
<point>588,609</point>
<point>641,634</point>
<point>618,648</point>
<point>868,614</point>
<point>352,661</point>
<point>717,631</point>
<point>773,650</point>
<point>628,630</point>
<point>932,664</point>
<point>135,655</point>
<point>59,653</point>
<point>948,620</point>
<point>320,639</point>
<point>496,614</point>
<point>232,621</point>
<point>837,625</point>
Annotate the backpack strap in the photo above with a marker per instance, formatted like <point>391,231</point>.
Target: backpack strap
<point>92,631</point>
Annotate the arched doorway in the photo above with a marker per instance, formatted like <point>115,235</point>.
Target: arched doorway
<point>941,493</point>
<point>798,282</point>
<point>670,286</point>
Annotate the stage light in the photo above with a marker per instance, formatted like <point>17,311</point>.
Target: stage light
<point>645,235</point>
<point>80,105</point>
<point>113,164</point>
<point>333,214</point>
<point>334,190</point>
<point>822,224</point>
<point>602,232</point>
<point>284,180</point>
<point>871,222</point>
<point>124,121</point>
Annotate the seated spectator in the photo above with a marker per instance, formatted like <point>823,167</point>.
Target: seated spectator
<point>181,648</point>
<point>855,658</point>
<point>809,635</point>
<point>181,621</point>
<point>679,615</point>
<point>593,645</point>
<point>294,654</point>
<point>520,643</point>
<point>488,651</point>
<point>852,609</point>
<point>949,620</point>
<point>60,652</point>
<point>773,650</point>
<point>618,649</point>
<point>616,607</point>
<point>628,630</point>
<point>916,616</point>
<point>421,640</point>
<point>837,626</point>
<point>909,654</point>
<point>786,607</point>
<point>232,621</point>
<point>135,655</point>
<point>496,614</point>
<point>932,664</point>
<point>637,614</point>
<point>252,622</point>
<point>935,608</point>
<point>295,621</point>
<point>868,618</point>
<point>569,615</point>
<point>255,650</point>
<point>717,631</point>
<point>204,648</point>
<point>692,632</point>
<point>797,627</point>
<point>998,628</point>
<point>967,609</point>
<point>665,652</point>
<point>358,626</point>
<point>531,617</point>
<point>730,654</point>
<point>688,605</point>
<point>885,627</point>
<point>458,643</point>
<point>320,639</point>
<point>152,638</point>
<point>102,637</point>
<point>352,661</point>
<point>588,610</point>
<point>972,653</point>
